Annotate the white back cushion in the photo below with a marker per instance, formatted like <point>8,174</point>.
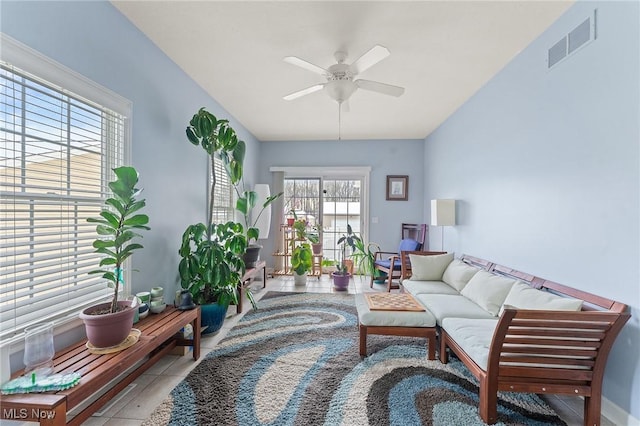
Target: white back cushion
<point>523,296</point>
<point>429,268</point>
<point>488,291</point>
<point>458,274</point>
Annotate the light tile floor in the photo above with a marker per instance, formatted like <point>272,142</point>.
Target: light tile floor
<point>154,385</point>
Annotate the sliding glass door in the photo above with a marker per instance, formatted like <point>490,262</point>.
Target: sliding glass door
<point>338,204</point>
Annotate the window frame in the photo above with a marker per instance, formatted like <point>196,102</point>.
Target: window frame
<point>68,81</point>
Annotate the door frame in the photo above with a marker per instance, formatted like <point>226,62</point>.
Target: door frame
<point>336,172</point>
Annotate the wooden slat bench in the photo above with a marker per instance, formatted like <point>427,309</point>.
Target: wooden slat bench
<point>159,336</point>
<point>542,351</point>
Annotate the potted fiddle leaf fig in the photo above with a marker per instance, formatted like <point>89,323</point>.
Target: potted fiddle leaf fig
<point>211,265</point>
<point>108,324</point>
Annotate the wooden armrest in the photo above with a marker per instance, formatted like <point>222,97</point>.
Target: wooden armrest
<point>540,339</point>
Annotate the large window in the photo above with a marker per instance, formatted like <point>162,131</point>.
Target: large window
<point>57,149</point>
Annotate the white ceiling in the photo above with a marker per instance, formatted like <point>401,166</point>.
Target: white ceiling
<point>442,52</point>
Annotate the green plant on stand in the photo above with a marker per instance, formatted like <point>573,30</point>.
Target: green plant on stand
<point>301,262</point>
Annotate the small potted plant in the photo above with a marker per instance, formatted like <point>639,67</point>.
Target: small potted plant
<point>314,239</point>
<point>301,263</point>
<point>109,324</point>
<point>342,274</point>
<point>300,229</point>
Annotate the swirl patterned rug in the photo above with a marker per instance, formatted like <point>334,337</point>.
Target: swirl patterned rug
<point>295,362</point>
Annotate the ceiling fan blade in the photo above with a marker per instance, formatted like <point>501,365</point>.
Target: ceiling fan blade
<point>294,60</point>
<point>370,58</point>
<point>383,88</point>
<point>303,92</point>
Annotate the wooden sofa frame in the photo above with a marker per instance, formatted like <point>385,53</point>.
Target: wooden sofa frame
<point>548,352</point>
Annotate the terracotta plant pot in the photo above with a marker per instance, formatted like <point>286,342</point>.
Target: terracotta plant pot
<point>349,264</point>
<point>340,282</point>
<point>316,248</point>
<point>108,330</point>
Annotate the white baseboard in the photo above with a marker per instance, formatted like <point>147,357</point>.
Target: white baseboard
<point>617,415</point>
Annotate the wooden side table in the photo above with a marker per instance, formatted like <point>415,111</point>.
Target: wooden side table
<point>249,275</point>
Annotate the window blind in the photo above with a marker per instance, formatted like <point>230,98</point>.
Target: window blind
<point>223,207</point>
<point>57,150</point>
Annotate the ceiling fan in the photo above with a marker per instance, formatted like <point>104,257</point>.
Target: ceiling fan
<point>341,82</point>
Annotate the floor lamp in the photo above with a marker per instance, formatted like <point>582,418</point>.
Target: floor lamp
<point>443,213</point>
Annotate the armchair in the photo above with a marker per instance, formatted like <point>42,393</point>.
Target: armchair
<point>390,262</point>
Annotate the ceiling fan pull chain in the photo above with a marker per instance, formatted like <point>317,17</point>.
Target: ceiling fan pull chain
<point>339,121</point>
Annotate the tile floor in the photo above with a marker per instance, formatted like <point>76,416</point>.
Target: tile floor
<point>132,406</point>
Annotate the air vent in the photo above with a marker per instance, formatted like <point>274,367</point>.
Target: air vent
<point>558,52</point>
<point>580,36</point>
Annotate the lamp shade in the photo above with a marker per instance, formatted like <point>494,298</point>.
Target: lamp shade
<point>264,221</point>
<point>443,212</point>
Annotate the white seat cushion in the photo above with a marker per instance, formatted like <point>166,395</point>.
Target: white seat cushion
<point>432,287</point>
<point>473,336</point>
<point>392,318</point>
<point>451,306</point>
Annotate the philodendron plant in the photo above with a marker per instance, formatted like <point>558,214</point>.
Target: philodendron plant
<point>211,265</point>
<point>116,227</point>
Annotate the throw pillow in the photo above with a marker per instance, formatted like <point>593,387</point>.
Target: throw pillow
<point>488,291</point>
<point>523,296</point>
<point>429,268</point>
<point>458,274</point>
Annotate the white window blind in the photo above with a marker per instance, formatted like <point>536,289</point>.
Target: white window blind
<point>223,207</point>
<point>57,150</point>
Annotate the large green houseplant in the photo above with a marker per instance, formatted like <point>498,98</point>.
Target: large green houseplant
<point>108,324</point>
<point>211,265</point>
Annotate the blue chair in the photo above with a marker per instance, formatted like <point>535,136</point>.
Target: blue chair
<point>392,264</point>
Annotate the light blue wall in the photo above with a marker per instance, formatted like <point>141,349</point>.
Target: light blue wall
<point>545,165</point>
<point>385,157</point>
<point>96,40</point>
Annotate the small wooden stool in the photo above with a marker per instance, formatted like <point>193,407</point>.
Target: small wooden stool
<point>395,323</point>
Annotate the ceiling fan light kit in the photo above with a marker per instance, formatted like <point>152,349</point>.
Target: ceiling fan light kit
<point>340,83</point>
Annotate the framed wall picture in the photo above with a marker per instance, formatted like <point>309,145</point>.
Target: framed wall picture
<point>397,187</point>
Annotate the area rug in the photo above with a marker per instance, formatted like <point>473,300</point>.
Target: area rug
<point>295,361</point>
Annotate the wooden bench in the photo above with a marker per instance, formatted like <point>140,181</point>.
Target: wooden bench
<point>548,352</point>
<point>159,335</point>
